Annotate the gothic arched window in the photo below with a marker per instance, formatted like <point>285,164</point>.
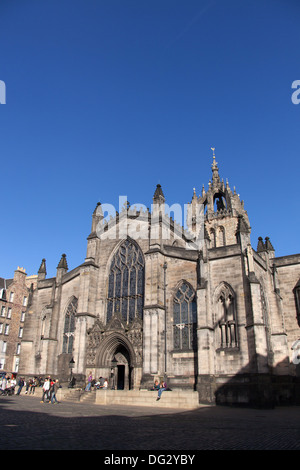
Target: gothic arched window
<point>297,300</point>
<point>126,283</point>
<point>221,236</point>
<point>226,317</point>
<point>213,238</point>
<point>185,318</point>
<point>69,327</point>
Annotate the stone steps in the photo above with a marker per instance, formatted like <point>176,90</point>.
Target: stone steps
<point>88,397</point>
<point>183,399</point>
<point>69,394</point>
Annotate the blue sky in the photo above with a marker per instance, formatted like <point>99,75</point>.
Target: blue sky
<point>109,98</point>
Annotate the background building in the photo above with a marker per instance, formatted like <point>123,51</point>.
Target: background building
<point>199,305</point>
<point>14,296</point>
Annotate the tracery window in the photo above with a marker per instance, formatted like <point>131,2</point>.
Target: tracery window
<point>126,283</point>
<point>226,318</point>
<point>69,327</point>
<point>185,318</point>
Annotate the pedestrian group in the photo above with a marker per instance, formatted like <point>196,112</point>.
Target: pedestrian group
<point>9,385</point>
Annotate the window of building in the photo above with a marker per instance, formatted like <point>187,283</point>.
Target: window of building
<point>24,301</point>
<point>11,297</point>
<point>126,283</point>
<point>2,294</point>
<point>9,312</point>
<point>17,361</point>
<point>212,238</point>
<point>69,327</point>
<point>3,311</point>
<point>6,329</point>
<point>20,332</point>
<point>226,318</point>
<point>1,328</point>
<point>4,346</point>
<point>222,236</point>
<point>185,318</point>
<point>297,300</point>
<point>18,348</point>
<point>2,362</point>
<point>22,317</point>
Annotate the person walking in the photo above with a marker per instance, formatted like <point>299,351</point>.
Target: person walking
<point>46,388</point>
<point>13,383</point>
<point>3,384</point>
<point>55,388</point>
<point>89,384</point>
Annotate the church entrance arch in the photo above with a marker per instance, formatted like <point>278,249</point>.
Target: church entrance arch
<point>115,360</point>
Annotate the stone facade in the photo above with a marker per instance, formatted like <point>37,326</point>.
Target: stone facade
<point>199,305</point>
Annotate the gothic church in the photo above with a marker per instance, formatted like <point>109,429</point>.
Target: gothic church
<point>198,305</point>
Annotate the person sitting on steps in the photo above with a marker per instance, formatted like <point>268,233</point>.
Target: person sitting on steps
<point>162,388</point>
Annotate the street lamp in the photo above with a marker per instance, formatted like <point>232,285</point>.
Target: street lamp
<point>72,380</point>
<point>165,305</point>
<point>114,364</point>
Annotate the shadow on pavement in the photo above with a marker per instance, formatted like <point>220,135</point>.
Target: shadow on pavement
<point>28,424</point>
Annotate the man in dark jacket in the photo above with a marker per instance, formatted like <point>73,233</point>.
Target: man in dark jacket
<point>21,385</point>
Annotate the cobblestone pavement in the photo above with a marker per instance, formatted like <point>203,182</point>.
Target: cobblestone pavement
<point>28,424</point>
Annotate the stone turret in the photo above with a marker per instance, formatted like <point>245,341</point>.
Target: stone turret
<point>42,272</point>
<point>97,217</point>
<point>62,268</point>
<point>158,201</point>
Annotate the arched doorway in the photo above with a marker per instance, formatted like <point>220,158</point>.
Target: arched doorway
<point>116,361</point>
<point>122,368</point>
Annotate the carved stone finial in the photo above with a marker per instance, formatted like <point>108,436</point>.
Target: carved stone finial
<point>63,262</point>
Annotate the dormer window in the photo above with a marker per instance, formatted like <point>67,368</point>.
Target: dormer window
<point>2,294</point>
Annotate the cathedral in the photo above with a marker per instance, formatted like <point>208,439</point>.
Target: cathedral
<point>197,305</point>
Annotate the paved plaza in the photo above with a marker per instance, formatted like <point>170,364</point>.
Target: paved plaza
<point>28,424</point>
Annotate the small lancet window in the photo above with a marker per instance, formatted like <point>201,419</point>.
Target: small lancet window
<point>222,236</point>
<point>213,238</point>
<point>69,327</point>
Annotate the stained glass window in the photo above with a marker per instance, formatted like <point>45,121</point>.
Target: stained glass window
<point>69,328</point>
<point>126,283</point>
<point>185,318</point>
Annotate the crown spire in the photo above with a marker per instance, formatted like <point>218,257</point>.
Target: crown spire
<point>215,169</point>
